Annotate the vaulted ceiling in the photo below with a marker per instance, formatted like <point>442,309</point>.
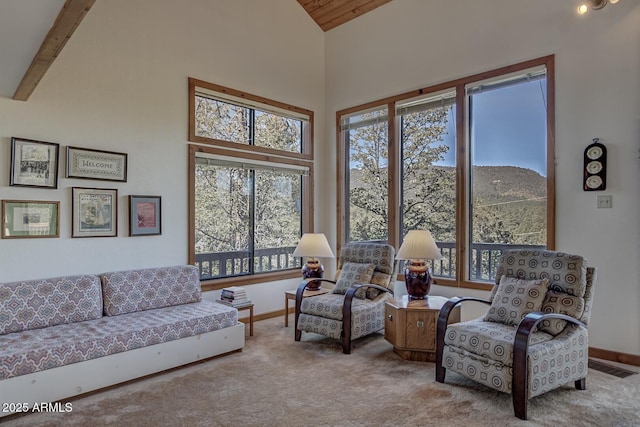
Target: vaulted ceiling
<point>33,32</point>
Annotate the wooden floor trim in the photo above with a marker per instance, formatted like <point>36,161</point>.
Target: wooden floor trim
<point>614,356</point>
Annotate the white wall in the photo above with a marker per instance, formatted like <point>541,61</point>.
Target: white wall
<point>120,84</point>
<point>409,44</point>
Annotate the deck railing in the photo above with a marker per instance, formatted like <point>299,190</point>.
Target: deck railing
<point>484,261</point>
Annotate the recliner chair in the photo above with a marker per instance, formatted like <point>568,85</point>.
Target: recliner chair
<point>534,337</point>
<point>355,307</point>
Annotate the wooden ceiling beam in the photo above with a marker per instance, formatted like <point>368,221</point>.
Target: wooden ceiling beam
<point>65,24</point>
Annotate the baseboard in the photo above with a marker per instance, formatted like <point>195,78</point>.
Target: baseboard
<point>614,356</point>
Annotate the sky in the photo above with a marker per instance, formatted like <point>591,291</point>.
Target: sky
<point>507,128</point>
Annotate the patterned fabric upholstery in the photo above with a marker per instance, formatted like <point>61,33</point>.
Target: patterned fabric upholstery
<point>566,273</point>
<point>515,298</point>
<point>378,278</point>
<point>323,314</point>
<point>37,304</point>
<point>39,349</point>
<point>353,273</point>
<point>568,277</point>
<point>136,290</point>
<point>557,353</point>
<point>380,255</point>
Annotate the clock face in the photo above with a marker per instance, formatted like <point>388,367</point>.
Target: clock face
<point>594,167</point>
<point>594,153</point>
<point>594,181</point>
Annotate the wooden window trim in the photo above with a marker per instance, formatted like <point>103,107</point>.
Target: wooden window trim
<point>249,152</point>
<point>307,213</point>
<point>307,130</point>
<point>462,183</point>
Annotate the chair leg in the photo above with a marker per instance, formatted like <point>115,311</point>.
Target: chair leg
<point>440,373</point>
<point>298,335</point>
<point>346,345</point>
<point>581,384</point>
<point>520,405</point>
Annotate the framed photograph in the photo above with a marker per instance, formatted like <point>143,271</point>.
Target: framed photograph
<point>145,217</point>
<point>30,218</point>
<point>94,212</point>
<point>96,164</point>
<point>34,163</point>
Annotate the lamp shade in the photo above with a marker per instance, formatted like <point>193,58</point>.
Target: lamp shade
<point>313,245</point>
<point>418,244</point>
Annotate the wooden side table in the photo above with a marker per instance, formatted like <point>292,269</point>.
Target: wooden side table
<point>411,326</point>
<point>250,308</point>
<point>292,295</point>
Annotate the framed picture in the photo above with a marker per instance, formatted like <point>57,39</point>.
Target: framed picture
<point>34,163</point>
<point>30,218</point>
<point>94,212</point>
<point>145,217</point>
<point>96,164</point>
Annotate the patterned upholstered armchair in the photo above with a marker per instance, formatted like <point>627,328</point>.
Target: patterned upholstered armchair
<point>355,306</point>
<point>534,338</point>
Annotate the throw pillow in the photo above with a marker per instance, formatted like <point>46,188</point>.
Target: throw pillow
<point>515,298</point>
<point>353,273</point>
<point>560,302</point>
<point>380,279</point>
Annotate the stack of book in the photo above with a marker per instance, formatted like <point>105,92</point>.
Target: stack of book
<point>234,296</point>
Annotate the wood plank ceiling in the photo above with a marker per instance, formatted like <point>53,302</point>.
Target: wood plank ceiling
<point>329,14</point>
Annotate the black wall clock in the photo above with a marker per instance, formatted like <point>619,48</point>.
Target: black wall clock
<point>595,167</point>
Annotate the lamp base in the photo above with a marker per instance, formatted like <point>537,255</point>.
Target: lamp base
<point>417,279</point>
<point>313,270</point>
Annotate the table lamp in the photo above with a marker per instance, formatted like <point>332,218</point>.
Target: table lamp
<point>417,247</point>
<point>314,246</point>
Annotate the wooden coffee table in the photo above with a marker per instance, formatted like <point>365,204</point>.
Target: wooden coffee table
<point>292,295</point>
<point>411,326</point>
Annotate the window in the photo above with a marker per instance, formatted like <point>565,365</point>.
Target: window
<point>367,153</point>
<point>248,209</point>
<point>470,160</point>
<point>428,171</point>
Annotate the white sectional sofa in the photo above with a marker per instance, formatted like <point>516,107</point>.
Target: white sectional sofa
<point>64,336</point>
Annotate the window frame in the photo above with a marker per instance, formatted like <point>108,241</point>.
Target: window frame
<point>248,153</point>
<point>307,128</point>
<point>462,163</point>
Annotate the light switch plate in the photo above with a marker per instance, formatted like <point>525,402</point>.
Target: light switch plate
<point>604,201</point>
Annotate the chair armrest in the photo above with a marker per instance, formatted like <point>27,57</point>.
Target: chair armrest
<point>521,347</point>
<point>528,324</point>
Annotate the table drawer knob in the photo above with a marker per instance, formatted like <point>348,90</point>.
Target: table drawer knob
<point>420,323</point>
<point>390,316</point>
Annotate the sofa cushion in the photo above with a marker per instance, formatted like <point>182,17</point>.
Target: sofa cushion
<point>36,350</point>
<point>146,289</point>
<point>34,304</point>
<point>488,340</point>
<point>353,273</point>
<point>515,298</point>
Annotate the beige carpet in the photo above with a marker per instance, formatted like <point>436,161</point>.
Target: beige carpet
<point>278,382</point>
